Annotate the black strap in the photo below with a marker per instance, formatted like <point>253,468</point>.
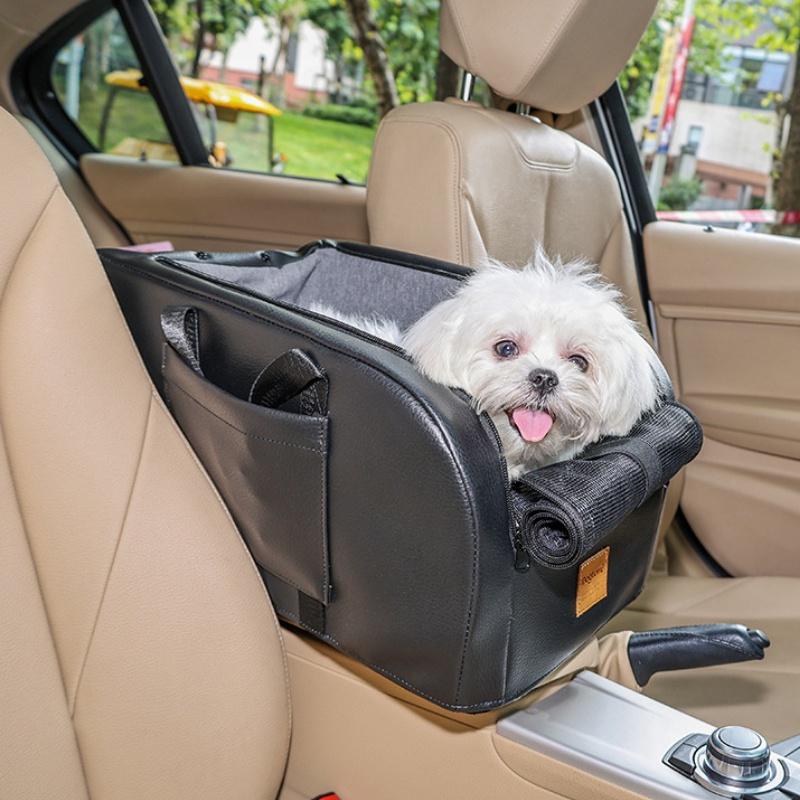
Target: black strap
<point>643,453</point>
<point>292,382</point>
<point>181,328</point>
<point>311,612</point>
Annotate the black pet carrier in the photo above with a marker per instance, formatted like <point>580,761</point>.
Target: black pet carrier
<point>376,503</point>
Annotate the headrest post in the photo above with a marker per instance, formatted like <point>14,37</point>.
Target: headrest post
<point>467,85</point>
<point>523,109</point>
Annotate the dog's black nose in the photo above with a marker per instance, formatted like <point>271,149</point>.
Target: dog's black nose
<point>543,380</point>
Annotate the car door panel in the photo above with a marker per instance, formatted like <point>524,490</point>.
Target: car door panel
<point>202,207</point>
<point>727,306</point>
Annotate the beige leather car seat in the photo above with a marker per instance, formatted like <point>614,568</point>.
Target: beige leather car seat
<point>461,182</point>
<point>140,655</point>
<point>101,227</point>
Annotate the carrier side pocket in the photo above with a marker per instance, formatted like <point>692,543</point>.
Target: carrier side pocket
<point>269,465</point>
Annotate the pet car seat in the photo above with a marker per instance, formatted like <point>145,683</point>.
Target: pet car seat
<point>377,503</point>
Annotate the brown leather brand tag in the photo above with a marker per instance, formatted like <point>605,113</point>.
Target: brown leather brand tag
<point>592,581</point>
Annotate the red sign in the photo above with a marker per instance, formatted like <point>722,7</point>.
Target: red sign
<point>676,85</point>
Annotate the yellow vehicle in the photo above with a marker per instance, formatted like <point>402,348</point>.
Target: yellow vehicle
<point>218,101</point>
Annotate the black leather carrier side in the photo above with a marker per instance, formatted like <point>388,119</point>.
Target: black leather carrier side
<point>375,502</point>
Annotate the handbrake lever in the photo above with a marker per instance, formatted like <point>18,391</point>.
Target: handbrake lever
<point>693,646</point>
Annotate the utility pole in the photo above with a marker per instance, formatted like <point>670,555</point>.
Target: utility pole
<point>659,164</point>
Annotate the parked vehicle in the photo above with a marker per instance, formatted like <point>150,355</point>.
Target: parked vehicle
<point>211,99</point>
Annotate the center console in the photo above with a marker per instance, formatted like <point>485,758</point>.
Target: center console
<point>639,744</point>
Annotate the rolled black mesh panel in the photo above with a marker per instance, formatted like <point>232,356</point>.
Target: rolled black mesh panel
<point>564,510</point>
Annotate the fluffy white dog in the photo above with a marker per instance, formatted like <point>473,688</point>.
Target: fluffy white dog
<point>547,351</point>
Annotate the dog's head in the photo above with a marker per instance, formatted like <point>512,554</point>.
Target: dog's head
<point>548,351</point>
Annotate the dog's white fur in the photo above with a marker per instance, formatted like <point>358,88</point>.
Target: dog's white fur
<point>552,312</point>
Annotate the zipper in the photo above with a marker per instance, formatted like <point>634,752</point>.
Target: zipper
<point>522,559</point>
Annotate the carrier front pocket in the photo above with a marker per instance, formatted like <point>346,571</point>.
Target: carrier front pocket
<point>269,465</point>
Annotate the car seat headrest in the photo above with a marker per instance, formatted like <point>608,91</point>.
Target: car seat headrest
<point>554,55</point>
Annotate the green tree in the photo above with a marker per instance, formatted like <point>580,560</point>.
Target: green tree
<point>637,77</point>
<point>679,194</point>
<point>332,18</point>
<point>784,18</point>
<point>773,25</point>
<point>717,24</point>
<point>410,32</point>
<point>368,35</point>
<point>190,26</point>
<point>286,15</point>
<point>412,29</point>
<point>177,20</point>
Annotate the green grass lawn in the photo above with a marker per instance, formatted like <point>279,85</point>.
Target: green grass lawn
<point>312,148</point>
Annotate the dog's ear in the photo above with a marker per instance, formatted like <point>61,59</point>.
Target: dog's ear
<point>635,382</point>
<point>431,342</point>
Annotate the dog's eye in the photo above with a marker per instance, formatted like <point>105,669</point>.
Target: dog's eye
<point>506,349</point>
<point>579,361</point>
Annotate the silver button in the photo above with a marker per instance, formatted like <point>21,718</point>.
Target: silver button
<point>736,761</point>
<point>738,754</point>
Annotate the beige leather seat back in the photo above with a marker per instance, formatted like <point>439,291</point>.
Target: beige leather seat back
<point>461,182</point>
<point>139,654</point>
<point>99,224</point>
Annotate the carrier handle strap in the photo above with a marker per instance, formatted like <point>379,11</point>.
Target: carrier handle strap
<point>292,382</point>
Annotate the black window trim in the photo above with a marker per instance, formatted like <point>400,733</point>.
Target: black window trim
<point>163,80</point>
<point>35,97</point>
<point>610,116</point>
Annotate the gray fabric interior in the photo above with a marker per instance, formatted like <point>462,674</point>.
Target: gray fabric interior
<point>349,284</point>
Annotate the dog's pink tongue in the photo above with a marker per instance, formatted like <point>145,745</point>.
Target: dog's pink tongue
<point>533,425</point>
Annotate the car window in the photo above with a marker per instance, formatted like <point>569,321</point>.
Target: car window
<point>287,85</point>
<point>98,81</point>
<point>711,95</point>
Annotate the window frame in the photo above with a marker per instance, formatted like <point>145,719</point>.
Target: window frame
<point>32,87</point>
<point>613,127</point>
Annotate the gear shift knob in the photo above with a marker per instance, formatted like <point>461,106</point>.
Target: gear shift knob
<point>737,754</point>
<point>734,762</point>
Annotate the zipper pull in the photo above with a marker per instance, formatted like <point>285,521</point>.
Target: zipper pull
<point>522,561</point>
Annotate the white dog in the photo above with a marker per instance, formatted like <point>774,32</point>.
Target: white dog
<point>547,351</point>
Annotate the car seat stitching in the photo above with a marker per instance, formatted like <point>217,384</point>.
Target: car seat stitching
<point>14,264</point>
<point>74,699</point>
<point>249,557</point>
<point>455,184</point>
<point>562,24</point>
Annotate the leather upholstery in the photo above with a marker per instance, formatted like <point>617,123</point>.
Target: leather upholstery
<point>100,226</point>
<point>723,299</point>
<point>761,694</point>
<point>464,183</point>
<point>554,55</point>
<point>227,209</point>
<point>139,653</point>
<point>406,748</point>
